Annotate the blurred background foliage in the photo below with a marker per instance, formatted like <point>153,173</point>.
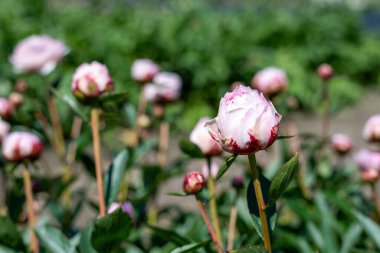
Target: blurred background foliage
<point>210,44</point>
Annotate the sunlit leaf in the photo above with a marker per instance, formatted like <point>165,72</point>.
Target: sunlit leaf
<point>225,166</point>
<point>190,247</point>
<point>190,149</point>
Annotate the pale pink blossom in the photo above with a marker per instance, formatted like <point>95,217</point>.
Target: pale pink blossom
<point>6,108</point>
<point>166,87</point>
<point>144,70</point>
<point>193,182</point>
<point>325,71</point>
<point>21,145</point>
<point>341,143</point>
<point>369,164</point>
<point>38,54</point>
<point>246,122</point>
<point>270,81</point>
<point>214,169</point>
<point>371,131</point>
<point>203,140</point>
<point>126,207</point>
<point>91,80</point>
<point>4,129</point>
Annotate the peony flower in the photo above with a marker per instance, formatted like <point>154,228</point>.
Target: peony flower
<point>246,122</point>
<point>341,143</point>
<point>193,182</point>
<point>6,108</point>
<point>38,54</point>
<point>91,80</point>
<point>325,71</point>
<point>4,129</point>
<point>126,207</point>
<point>144,70</point>
<point>371,131</point>
<point>214,169</point>
<point>203,140</point>
<point>270,81</point>
<point>18,146</point>
<point>166,87</point>
<point>369,164</point>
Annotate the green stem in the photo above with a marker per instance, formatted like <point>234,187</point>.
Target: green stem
<point>260,202</point>
<point>326,112</point>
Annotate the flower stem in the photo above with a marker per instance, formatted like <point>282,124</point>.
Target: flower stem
<point>163,143</point>
<point>376,199</point>
<point>213,206</point>
<point>260,202</point>
<point>326,112</point>
<point>231,228</point>
<point>208,224</point>
<point>59,142</point>
<point>29,204</point>
<point>98,163</point>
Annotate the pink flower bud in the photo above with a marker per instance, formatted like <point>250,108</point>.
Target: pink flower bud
<point>6,108</point>
<point>166,87</point>
<point>342,144</point>
<point>270,81</point>
<point>126,207</point>
<point>371,131</point>
<point>16,98</point>
<point>143,70</point>
<point>238,182</point>
<point>325,71</point>
<point>369,164</point>
<point>38,54</point>
<point>214,169</point>
<point>91,80</point>
<point>246,122</point>
<point>193,182</point>
<point>203,140</point>
<point>18,146</point>
<point>4,129</point>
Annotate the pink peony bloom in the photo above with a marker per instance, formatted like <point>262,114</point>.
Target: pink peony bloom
<point>369,164</point>
<point>38,54</point>
<point>270,81</point>
<point>246,122</point>
<point>18,146</point>
<point>166,87</point>
<point>144,70</point>
<point>214,169</point>
<point>325,71</point>
<point>203,140</point>
<point>4,129</point>
<point>91,80</point>
<point>371,131</point>
<point>341,143</point>
<point>6,108</point>
<point>193,182</point>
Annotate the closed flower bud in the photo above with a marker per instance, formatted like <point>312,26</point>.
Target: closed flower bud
<point>325,71</point>
<point>166,87</point>
<point>270,81</point>
<point>4,129</point>
<point>143,121</point>
<point>246,122</point>
<point>91,80</point>
<point>238,182</point>
<point>18,146</point>
<point>371,131</point>
<point>342,144</point>
<point>16,98</point>
<point>126,207</point>
<point>369,164</point>
<point>20,86</point>
<point>193,182</point>
<point>203,140</point>
<point>6,108</point>
<point>214,169</point>
<point>38,54</point>
<point>143,70</point>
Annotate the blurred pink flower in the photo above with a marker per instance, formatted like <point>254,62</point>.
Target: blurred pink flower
<point>214,169</point>
<point>144,70</point>
<point>15,98</point>
<point>371,131</point>
<point>21,145</point>
<point>166,87</point>
<point>6,108</point>
<point>4,129</point>
<point>341,143</point>
<point>91,80</point>
<point>38,54</point>
<point>246,122</point>
<point>193,182</point>
<point>126,207</point>
<point>270,81</point>
<point>369,164</point>
<point>203,140</point>
<point>325,71</point>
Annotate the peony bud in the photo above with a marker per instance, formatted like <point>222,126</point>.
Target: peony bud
<point>38,54</point>
<point>325,71</point>
<point>20,86</point>
<point>143,70</point>
<point>126,207</point>
<point>270,81</point>
<point>369,164</point>
<point>6,108</point>
<point>246,122</point>
<point>193,182</point>
<point>4,129</point>
<point>166,87</point>
<point>203,140</point>
<point>342,144</point>
<point>143,121</point>
<point>371,131</point>
<point>238,182</point>
<point>16,98</point>
<point>91,80</point>
<point>214,169</point>
<point>18,146</point>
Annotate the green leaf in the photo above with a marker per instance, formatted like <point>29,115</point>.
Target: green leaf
<point>85,245</point>
<point>4,249</point>
<point>53,240</point>
<point>281,137</point>
<point>371,228</point>
<point>282,179</point>
<point>110,231</point>
<point>115,175</point>
<point>190,247</point>
<point>177,194</point>
<point>351,238</point>
<point>114,97</point>
<point>140,151</point>
<point>170,236</point>
<point>249,249</point>
<point>225,166</point>
<point>9,236</point>
<point>72,103</point>
<point>190,149</point>
<point>315,234</point>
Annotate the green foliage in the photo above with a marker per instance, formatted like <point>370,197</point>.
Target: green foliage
<point>9,236</point>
